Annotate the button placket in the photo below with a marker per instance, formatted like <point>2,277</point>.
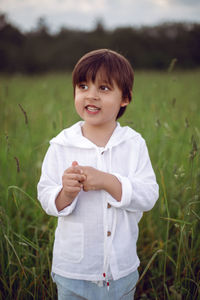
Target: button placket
<point>109,213</point>
<point>109,219</point>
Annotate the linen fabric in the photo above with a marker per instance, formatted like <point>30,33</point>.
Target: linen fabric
<point>96,233</point>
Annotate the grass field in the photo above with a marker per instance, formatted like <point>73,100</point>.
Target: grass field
<point>166,110</point>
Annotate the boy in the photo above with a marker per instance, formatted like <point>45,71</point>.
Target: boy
<point>97,179</point>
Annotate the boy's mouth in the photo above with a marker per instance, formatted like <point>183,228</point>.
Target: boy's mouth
<point>92,108</point>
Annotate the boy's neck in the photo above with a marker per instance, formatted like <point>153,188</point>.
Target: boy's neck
<point>98,135</point>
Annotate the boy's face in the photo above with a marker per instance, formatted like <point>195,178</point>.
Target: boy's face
<point>98,102</point>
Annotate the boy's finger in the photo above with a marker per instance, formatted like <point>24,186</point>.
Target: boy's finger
<point>74,169</point>
<point>71,183</point>
<point>74,176</point>
<point>74,163</point>
<point>77,169</point>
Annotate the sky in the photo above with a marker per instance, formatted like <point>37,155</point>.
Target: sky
<point>84,14</point>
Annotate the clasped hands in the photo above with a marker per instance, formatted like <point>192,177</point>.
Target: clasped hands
<point>79,177</point>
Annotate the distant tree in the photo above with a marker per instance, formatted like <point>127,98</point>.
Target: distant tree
<point>3,21</point>
<point>42,26</point>
<point>146,47</point>
<point>99,27</point>
<point>11,46</point>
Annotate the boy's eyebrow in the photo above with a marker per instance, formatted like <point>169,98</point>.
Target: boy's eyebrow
<point>81,82</point>
<point>102,81</point>
<point>105,81</point>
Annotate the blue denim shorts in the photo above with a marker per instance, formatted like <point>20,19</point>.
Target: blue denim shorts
<point>73,289</point>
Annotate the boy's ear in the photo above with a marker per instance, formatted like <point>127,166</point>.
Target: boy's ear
<point>125,102</point>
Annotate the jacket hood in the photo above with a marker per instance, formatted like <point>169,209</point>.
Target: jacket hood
<point>73,137</point>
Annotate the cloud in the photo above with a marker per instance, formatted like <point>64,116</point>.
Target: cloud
<point>74,13</point>
<point>53,5</point>
<point>114,13</point>
<point>186,2</point>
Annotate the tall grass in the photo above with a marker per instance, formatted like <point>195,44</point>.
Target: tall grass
<point>165,110</point>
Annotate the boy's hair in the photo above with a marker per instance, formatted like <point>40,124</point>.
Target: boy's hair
<point>115,67</point>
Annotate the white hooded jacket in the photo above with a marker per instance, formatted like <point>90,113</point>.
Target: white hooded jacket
<point>96,233</point>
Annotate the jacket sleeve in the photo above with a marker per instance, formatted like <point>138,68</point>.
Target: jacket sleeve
<point>140,190</point>
<point>50,184</point>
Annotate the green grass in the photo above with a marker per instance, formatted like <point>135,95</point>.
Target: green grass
<point>165,110</point>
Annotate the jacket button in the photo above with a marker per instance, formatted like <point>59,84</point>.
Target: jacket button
<point>108,233</point>
<point>108,205</point>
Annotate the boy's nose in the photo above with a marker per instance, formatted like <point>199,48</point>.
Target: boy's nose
<point>93,93</point>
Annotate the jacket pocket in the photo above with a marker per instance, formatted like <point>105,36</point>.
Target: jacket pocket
<point>71,241</point>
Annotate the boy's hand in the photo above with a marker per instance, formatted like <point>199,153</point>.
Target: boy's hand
<point>72,184</point>
<point>99,180</point>
<point>72,181</point>
<point>93,178</point>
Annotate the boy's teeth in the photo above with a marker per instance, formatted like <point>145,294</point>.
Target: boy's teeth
<point>91,108</point>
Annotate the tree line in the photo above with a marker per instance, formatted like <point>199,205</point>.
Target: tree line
<point>146,47</point>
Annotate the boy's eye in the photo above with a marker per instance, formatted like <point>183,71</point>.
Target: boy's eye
<point>83,86</point>
<point>104,88</point>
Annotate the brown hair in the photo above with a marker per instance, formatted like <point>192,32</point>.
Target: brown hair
<point>115,66</point>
